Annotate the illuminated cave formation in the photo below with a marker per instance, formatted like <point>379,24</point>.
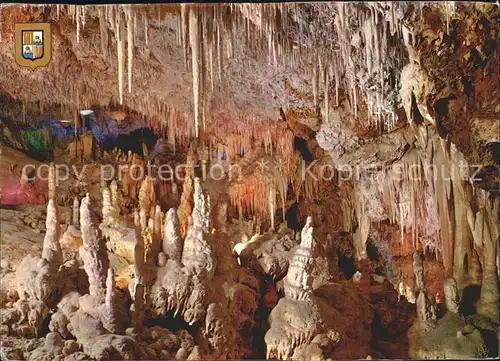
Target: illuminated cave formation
<point>289,181</point>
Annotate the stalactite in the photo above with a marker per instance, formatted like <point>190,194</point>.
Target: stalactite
<point>103,31</point>
<point>185,32</point>
<point>119,52</point>
<point>203,69</point>
<point>211,61</point>
<point>315,86</point>
<point>272,205</point>
<point>327,99</point>
<point>449,7</point>
<point>77,24</point>
<point>83,16</point>
<point>134,22</point>
<point>1,22</point>
<point>146,26</point>
<point>130,46</point>
<point>194,41</point>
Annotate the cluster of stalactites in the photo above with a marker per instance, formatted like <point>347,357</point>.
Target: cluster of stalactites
<point>278,33</point>
<point>429,194</point>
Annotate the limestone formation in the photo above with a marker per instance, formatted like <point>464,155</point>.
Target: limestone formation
<point>76,212</point>
<point>52,182</point>
<point>489,300</point>
<point>52,252</point>
<point>139,257</point>
<point>177,289</point>
<point>298,281</point>
<point>197,252</point>
<point>474,268</point>
<point>115,197</point>
<point>147,196</point>
<point>156,236</point>
<point>201,211</point>
<point>268,254</point>
<point>185,209</point>
<point>361,236</point>
<point>300,316</point>
<point>109,312</point>
<point>172,242</point>
<point>378,120</point>
<point>450,336</point>
<point>451,295</point>
<point>36,278</point>
<point>93,252</point>
<point>426,305</point>
<point>138,310</point>
<point>109,213</point>
<point>418,270</point>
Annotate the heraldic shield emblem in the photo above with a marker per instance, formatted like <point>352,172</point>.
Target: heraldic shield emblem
<point>33,44</point>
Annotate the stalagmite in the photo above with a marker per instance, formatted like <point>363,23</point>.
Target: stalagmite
<point>197,252</point>
<point>138,312</point>
<point>52,181</point>
<point>451,295</point>
<point>108,210</point>
<point>51,248</point>
<point>76,212</point>
<point>272,205</point>
<point>185,208</point>
<point>138,254</point>
<point>201,212</point>
<point>361,236</point>
<point>172,242</point>
<point>426,306</point>
<point>109,314</point>
<point>194,41</point>
<point>93,252</point>
<point>115,197</point>
<point>298,281</point>
<point>156,245</point>
<point>474,268</point>
<point>489,300</point>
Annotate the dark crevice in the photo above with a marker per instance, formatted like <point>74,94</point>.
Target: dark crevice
<point>291,217</point>
<point>174,323</point>
<point>416,116</point>
<point>441,106</point>
<point>301,145</point>
<point>469,299</point>
<point>133,141</point>
<point>346,265</point>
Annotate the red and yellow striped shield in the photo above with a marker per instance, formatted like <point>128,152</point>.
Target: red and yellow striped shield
<point>33,44</point>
